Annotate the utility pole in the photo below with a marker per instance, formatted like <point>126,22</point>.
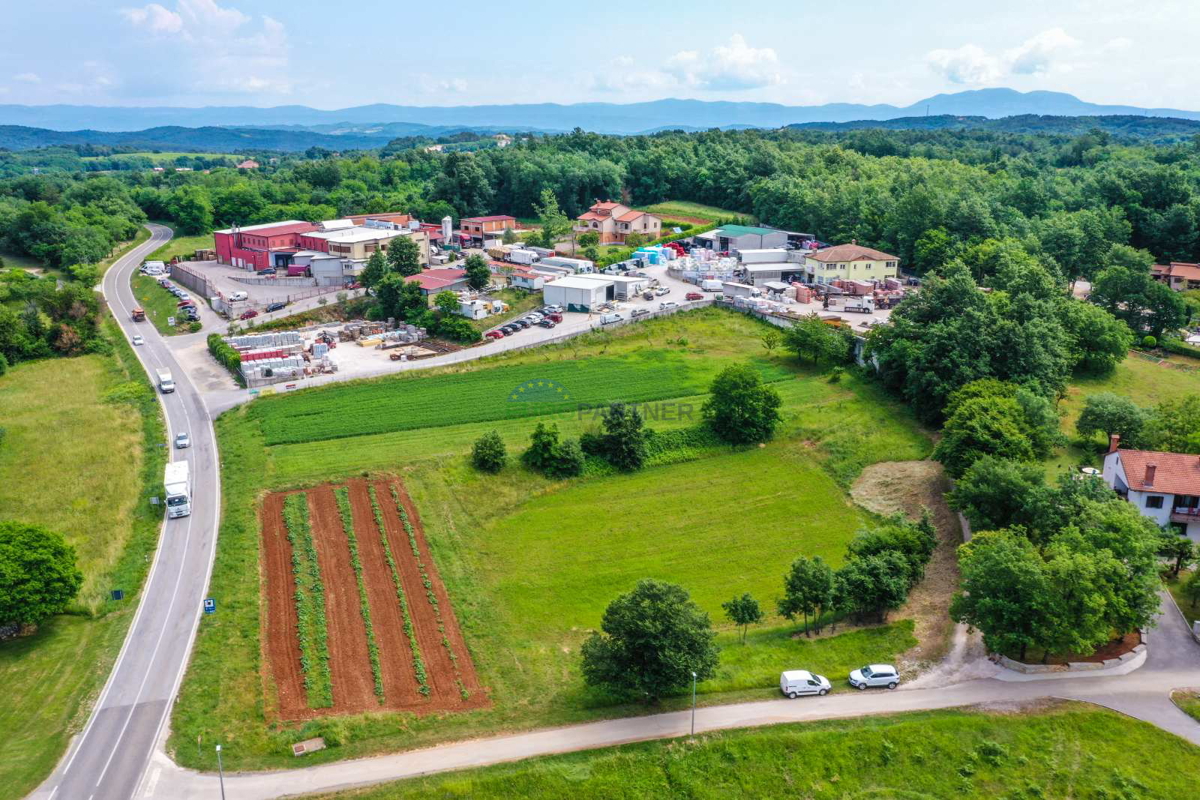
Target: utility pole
<point>221,772</point>
<point>693,711</point>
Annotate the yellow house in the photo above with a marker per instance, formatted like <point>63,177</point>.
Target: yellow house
<point>849,262</point>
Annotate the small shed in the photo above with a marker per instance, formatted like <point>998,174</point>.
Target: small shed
<point>577,293</point>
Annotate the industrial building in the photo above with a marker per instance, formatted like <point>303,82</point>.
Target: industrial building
<point>579,293</point>
<point>624,287</point>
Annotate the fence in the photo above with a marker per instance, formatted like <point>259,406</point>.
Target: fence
<point>193,279</point>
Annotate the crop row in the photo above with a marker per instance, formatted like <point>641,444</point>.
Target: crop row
<point>312,627</point>
<point>405,403</point>
<point>409,630</point>
<point>430,595</point>
<point>343,503</point>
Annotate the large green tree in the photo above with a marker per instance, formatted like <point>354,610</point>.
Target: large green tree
<point>479,274</point>
<point>807,590</point>
<point>38,576</point>
<point>404,256</point>
<point>741,409</point>
<point>651,641</point>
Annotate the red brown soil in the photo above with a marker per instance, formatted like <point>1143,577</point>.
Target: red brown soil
<point>281,645</point>
<point>350,665</point>
<point>353,686</point>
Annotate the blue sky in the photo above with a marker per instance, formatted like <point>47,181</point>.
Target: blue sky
<point>333,55</point>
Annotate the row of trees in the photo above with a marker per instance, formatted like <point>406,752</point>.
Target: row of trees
<point>1172,425</point>
<point>39,319</point>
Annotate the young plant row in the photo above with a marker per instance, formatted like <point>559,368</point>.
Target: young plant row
<point>409,630</point>
<point>343,503</point>
<point>312,627</point>
<point>429,593</point>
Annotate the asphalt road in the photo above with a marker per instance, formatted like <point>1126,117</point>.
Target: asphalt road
<point>109,757</point>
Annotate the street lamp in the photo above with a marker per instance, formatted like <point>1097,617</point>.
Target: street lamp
<point>693,706</point>
<point>221,772</point>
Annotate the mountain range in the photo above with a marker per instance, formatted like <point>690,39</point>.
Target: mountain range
<point>628,118</point>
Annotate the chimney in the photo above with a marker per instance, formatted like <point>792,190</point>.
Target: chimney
<point>1114,441</point>
<point>1150,470</point>
<point>854,241</point>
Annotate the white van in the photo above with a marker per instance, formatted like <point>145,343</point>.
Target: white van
<point>796,682</point>
<point>710,286</point>
<point>236,296</point>
<point>610,318</point>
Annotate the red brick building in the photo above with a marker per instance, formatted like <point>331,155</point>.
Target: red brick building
<point>258,247</point>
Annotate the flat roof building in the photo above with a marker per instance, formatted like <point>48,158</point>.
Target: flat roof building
<point>579,293</point>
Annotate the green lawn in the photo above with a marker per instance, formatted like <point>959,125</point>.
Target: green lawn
<point>18,261</point>
<point>520,302</point>
<point>1190,612</point>
<point>530,563</point>
<point>683,208</point>
<point>159,304</point>
<point>1188,702</point>
<point>182,246</point>
<point>56,469</point>
<point>1144,382</point>
<point>1069,751</point>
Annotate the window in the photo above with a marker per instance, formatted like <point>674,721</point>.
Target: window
<point>1154,501</point>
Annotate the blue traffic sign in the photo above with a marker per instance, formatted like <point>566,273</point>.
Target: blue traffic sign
<point>210,605</point>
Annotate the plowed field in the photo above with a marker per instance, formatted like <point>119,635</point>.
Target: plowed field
<point>423,661</point>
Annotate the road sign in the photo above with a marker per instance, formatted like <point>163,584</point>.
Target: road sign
<point>118,594</point>
<point>210,605</point>
<point>171,321</point>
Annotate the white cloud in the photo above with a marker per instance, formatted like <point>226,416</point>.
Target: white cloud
<point>1035,55</point>
<point>729,67</point>
<point>969,64</point>
<point>437,85</point>
<point>27,77</point>
<point>223,48</point>
<point>154,18</point>
<point>972,65</point>
<point>1118,45</point>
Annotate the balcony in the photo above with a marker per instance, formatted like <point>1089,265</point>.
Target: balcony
<point>1185,514</point>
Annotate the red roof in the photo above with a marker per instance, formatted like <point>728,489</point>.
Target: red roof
<point>850,252</point>
<point>494,218</point>
<point>1174,473</point>
<point>432,280</point>
<point>630,216</point>
<point>591,215</point>
<point>608,205</point>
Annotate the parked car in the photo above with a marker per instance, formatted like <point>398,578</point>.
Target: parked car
<point>693,296</point>
<point>249,313</point>
<point>138,340</point>
<point>524,323</point>
<point>493,335</point>
<point>546,323</point>
<point>236,296</point>
<point>638,312</point>
<point>554,317</point>
<point>534,317</point>
<point>874,675</point>
<point>511,328</point>
<point>662,290</point>
<point>552,310</point>
<point>186,303</point>
<point>610,318</point>
<point>668,304</point>
<point>276,307</point>
<point>796,682</point>
<point>182,440</point>
<point>269,272</point>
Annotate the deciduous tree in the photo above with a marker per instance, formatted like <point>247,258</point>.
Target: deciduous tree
<point>38,576</point>
<point>743,611</point>
<point>741,409</point>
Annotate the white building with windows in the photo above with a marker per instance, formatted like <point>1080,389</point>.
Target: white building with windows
<point>849,262</point>
<point>1164,487</point>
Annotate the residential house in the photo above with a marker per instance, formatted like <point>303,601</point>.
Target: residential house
<point>477,231</point>
<point>1164,487</point>
<point>433,281</point>
<point>1178,275</point>
<point>849,262</point>
<point>615,222</point>
<point>249,163</point>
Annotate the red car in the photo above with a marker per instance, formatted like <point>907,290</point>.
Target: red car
<point>250,314</point>
<point>693,296</point>
<point>493,335</point>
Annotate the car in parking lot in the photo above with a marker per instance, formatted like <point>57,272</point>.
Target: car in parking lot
<point>138,340</point>
<point>510,328</point>
<point>668,304</point>
<point>547,323</point>
<point>795,682</point>
<point>693,296</point>
<point>524,323</point>
<point>534,317</point>
<point>552,310</point>
<point>610,318</point>
<point>276,307</point>
<point>249,313</point>
<point>875,675</point>
<point>182,440</point>
<point>662,290</point>
<point>638,312</point>
<point>494,335</point>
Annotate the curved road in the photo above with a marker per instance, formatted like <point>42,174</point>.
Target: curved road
<point>108,758</point>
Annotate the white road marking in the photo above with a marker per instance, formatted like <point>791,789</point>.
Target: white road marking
<point>152,784</point>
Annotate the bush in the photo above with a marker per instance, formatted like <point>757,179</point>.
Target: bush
<point>489,453</point>
<point>549,456</point>
<point>1149,342</point>
<point>225,355</point>
<point>457,329</point>
<point>194,327</point>
<point>1180,347</point>
<point>741,409</point>
<point>3,364</point>
<point>624,441</point>
<point>38,576</point>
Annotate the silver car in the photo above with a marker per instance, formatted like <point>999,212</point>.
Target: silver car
<point>182,440</point>
<point>874,675</point>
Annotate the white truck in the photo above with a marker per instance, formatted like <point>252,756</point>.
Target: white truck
<point>860,305</point>
<point>709,285</point>
<point>525,257</point>
<point>178,482</point>
<point>166,384</point>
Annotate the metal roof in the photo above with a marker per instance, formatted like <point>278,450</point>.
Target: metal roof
<point>746,230</point>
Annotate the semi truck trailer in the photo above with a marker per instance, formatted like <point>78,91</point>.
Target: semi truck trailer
<point>178,483</point>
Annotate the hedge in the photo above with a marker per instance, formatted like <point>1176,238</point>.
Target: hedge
<point>225,355</point>
<point>1179,347</point>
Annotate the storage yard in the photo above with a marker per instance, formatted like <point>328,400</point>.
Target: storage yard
<point>357,618</point>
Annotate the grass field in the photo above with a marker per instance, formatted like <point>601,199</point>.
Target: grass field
<point>182,246</point>
<point>1068,751</point>
<point>18,261</point>
<point>1190,612</point>
<point>90,487</point>
<point>1188,702</point>
<point>530,563</point>
<point>1144,382</point>
<point>693,211</point>
<point>520,302</point>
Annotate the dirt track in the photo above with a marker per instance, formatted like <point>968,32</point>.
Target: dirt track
<point>350,665</point>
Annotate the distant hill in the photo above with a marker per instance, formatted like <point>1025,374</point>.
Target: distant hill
<point>600,117</point>
<point>174,138</point>
<point>1158,129</point>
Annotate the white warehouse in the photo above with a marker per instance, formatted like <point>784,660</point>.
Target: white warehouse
<point>578,294</point>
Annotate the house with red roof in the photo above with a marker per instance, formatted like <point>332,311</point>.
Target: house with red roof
<point>476,231</point>
<point>614,222</point>
<point>1178,275</point>
<point>1164,487</point>
<point>433,281</point>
